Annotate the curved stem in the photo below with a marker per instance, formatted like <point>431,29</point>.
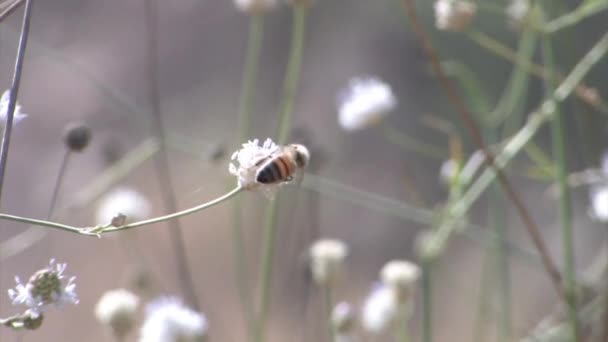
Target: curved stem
<point>59,181</point>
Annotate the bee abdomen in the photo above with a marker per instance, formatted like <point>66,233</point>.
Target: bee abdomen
<point>276,170</point>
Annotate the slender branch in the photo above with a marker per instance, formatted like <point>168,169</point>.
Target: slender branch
<point>12,102</point>
<point>161,159</point>
<point>59,181</point>
<point>586,9</point>
<point>466,117</point>
<point>8,10</point>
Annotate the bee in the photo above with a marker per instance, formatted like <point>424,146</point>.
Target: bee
<point>281,165</point>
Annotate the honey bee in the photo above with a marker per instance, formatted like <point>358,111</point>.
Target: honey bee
<point>282,165</point>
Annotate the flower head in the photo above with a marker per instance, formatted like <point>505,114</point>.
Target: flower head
<point>454,15</point>
<point>599,203</point>
<point>246,164</point>
<point>168,320</point>
<point>255,6</point>
<point>365,102</point>
<point>380,309</point>
<point>17,116</point>
<point>326,259</point>
<point>46,286</point>
<point>123,201</point>
<point>402,276</point>
<point>116,309</point>
<point>517,12</point>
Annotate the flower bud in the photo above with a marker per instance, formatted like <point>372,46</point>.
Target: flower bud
<point>326,259</point>
<point>401,275</point>
<point>117,309</point>
<point>77,136</point>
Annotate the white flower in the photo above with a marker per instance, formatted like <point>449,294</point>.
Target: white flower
<point>168,320</point>
<point>326,258</point>
<point>255,6</point>
<point>365,102</point>
<point>454,15</point>
<point>517,12</point>
<point>402,276</point>
<point>126,201</point>
<point>246,166</point>
<point>599,203</point>
<point>380,309</point>
<point>17,116</point>
<point>46,286</point>
<point>117,309</point>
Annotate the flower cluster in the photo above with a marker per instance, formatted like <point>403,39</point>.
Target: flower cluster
<point>45,287</point>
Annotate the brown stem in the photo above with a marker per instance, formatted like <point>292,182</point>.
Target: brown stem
<point>467,118</point>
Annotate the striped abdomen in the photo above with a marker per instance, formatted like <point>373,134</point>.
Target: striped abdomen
<point>276,170</point>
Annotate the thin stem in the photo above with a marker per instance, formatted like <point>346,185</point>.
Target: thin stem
<point>505,330</point>
<point>178,214</point>
<point>565,209</point>
<point>587,9</point>
<point>467,119</point>
<point>326,311</point>
<point>427,302</point>
<point>59,182</point>
<point>246,105</point>
<point>12,101</point>
<point>412,144</point>
<point>403,332</point>
<point>292,77</point>
<point>161,160</point>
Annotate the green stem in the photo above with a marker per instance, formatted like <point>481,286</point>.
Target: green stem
<point>327,307</point>
<point>403,332</point>
<point>427,302</point>
<point>587,9</point>
<point>412,144</point>
<point>565,209</point>
<point>285,113</point>
<point>246,105</point>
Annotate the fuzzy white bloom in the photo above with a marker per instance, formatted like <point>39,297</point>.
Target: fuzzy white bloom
<point>454,15</point>
<point>168,320</point>
<point>326,259</point>
<point>380,309</point>
<point>46,286</point>
<point>517,12</point>
<point>599,203</point>
<point>450,169</point>
<point>365,102</point>
<point>17,116</point>
<point>117,309</point>
<point>255,6</point>
<point>123,201</point>
<point>246,165</point>
<point>402,276</point>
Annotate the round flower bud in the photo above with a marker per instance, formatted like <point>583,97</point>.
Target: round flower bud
<point>326,259</point>
<point>255,6</point>
<point>77,136</point>
<point>454,15</point>
<point>33,319</point>
<point>117,309</point>
<point>401,275</point>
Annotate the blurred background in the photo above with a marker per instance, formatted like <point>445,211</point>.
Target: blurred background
<point>86,61</point>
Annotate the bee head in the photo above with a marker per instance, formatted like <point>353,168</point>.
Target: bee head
<point>301,154</point>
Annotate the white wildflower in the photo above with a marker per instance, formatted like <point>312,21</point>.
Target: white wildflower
<point>517,12</point>
<point>402,276</point>
<point>364,103</point>
<point>168,320</point>
<point>454,15</point>
<point>17,116</point>
<point>326,259</point>
<point>380,309</point>
<point>255,6</point>
<point>117,309</point>
<point>449,171</point>
<point>123,201</point>
<point>246,165</point>
<point>46,286</point>
<point>599,203</point>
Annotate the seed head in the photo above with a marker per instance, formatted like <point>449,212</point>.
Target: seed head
<point>454,15</point>
<point>168,320</point>
<point>77,136</point>
<point>46,286</point>
<point>402,276</point>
